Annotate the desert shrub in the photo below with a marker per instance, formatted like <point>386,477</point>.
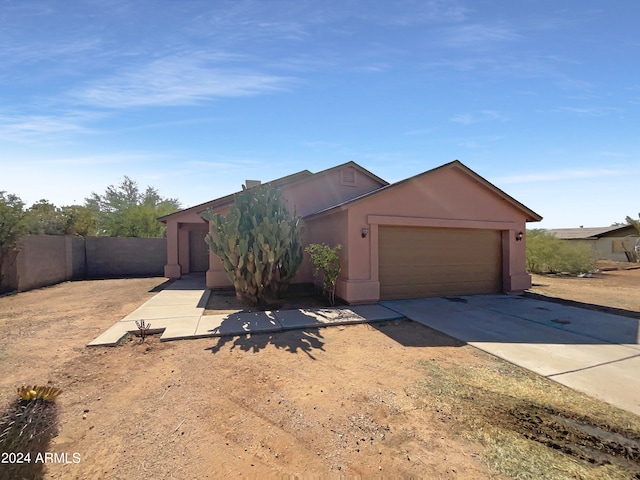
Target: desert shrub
<point>326,262</point>
<point>548,254</point>
<point>12,226</point>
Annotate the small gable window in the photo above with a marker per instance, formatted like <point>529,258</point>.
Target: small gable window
<point>348,176</point>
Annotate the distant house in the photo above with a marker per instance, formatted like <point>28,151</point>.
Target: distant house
<point>609,243</point>
<point>447,231</point>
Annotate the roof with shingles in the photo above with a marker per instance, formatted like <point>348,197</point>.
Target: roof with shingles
<point>531,216</point>
<point>587,233</point>
<point>279,182</point>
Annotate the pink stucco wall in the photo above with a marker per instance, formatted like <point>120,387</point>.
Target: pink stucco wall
<point>178,242</point>
<point>325,190</point>
<point>442,198</point>
<point>448,197</point>
<point>322,190</point>
<point>330,230</point>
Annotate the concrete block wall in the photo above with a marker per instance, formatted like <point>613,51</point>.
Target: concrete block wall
<point>78,263</point>
<point>125,257</point>
<point>9,272</point>
<point>44,260</point>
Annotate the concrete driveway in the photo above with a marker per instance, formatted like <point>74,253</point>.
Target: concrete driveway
<point>593,352</point>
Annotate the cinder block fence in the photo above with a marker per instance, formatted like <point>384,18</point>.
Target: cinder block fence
<point>48,259</point>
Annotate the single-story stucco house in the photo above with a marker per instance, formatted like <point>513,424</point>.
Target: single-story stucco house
<point>446,231</point>
<point>608,243</point>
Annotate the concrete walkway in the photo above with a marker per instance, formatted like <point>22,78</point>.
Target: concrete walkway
<point>178,312</point>
<point>592,352</point>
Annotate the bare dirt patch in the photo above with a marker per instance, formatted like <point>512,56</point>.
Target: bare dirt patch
<point>614,289</point>
<point>365,401</point>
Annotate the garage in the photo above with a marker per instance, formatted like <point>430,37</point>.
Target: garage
<point>419,262</point>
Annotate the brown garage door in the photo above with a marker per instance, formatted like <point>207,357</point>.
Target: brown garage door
<point>426,262</point>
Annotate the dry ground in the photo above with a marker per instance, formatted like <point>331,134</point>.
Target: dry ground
<point>615,288</point>
<point>391,400</point>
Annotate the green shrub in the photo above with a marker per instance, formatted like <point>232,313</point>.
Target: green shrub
<point>548,254</point>
<point>326,262</point>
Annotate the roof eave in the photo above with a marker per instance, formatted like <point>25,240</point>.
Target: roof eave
<point>530,215</point>
<point>289,179</point>
<point>227,199</point>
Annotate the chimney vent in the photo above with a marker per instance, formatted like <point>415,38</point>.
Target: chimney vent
<point>252,183</point>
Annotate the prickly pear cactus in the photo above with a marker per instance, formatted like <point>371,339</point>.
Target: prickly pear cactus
<point>259,244</point>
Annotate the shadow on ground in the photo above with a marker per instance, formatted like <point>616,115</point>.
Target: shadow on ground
<point>293,341</point>
<point>297,296</point>
<point>411,334</point>
<point>161,286</point>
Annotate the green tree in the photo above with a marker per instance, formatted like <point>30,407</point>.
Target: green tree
<point>259,243</point>
<point>634,222</point>
<point>326,262</point>
<point>12,225</point>
<point>44,218</point>
<point>549,254</point>
<point>79,220</point>
<point>124,211</point>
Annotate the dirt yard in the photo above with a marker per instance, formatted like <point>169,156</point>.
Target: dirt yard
<point>616,288</point>
<point>391,400</point>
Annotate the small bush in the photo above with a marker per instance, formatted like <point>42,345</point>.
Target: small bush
<point>548,254</point>
<point>326,262</point>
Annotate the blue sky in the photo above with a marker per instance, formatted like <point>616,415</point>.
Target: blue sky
<point>541,98</point>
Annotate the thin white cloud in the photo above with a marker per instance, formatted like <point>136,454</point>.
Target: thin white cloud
<point>494,115</point>
<point>58,56</point>
<point>545,68</point>
<point>606,153</point>
<point>477,36</point>
<point>320,144</point>
<point>34,127</point>
<point>286,17</point>
<point>175,80</point>
<point>465,119</point>
<point>481,116</point>
<point>470,144</point>
<point>106,159</point>
<point>228,163</point>
<point>376,67</point>
<point>408,12</point>
<point>558,175</point>
<point>420,131</point>
<point>589,111</point>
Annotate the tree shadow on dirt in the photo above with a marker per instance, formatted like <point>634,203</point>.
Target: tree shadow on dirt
<point>293,325</point>
<point>293,341</point>
<point>297,296</point>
